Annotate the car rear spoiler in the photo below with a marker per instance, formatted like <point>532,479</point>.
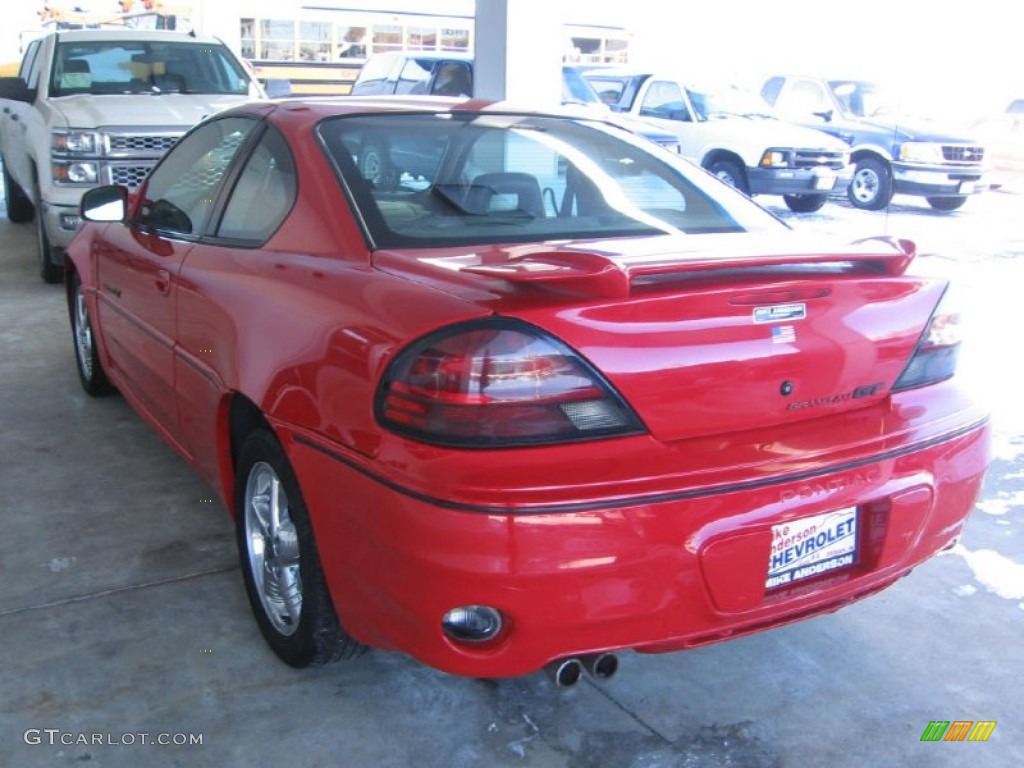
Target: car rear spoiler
<point>603,274</point>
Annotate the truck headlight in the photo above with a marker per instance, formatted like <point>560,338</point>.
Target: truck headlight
<point>76,173</point>
<point>921,152</point>
<point>76,142</point>
<point>776,158</point>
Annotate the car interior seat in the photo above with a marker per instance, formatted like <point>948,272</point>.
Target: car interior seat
<point>76,75</point>
<point>505,192</point>
<point>169,82</point>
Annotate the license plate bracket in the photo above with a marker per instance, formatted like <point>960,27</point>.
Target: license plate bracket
<point>812,546</point>
<point>824,179</point>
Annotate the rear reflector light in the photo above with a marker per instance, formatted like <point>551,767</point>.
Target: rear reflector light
<point>497,383</point>
<point>472,623</point>
<point>935,357</point>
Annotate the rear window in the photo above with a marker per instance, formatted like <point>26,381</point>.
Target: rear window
<point>97,68</point>
<point>375,68</point>
<point>618,91</point>
<point>424,180</point>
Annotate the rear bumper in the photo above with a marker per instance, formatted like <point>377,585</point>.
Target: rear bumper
<point>797,181</point>
<point>662,574</point>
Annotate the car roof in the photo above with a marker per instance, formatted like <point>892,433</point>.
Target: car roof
<point>428,55</point>
<point>695,85</point>
<point>601,69</point>
<point>328,106</point>
<point>830,78</point>
<point>135,35</point>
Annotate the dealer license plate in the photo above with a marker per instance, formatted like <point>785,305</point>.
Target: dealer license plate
<point>812,546</point>
<point>966,188</point>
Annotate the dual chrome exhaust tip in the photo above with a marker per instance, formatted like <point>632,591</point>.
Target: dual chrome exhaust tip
<point>565,673</point>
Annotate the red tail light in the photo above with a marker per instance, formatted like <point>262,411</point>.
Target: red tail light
<point>498,383</point>
<point>935,358</point>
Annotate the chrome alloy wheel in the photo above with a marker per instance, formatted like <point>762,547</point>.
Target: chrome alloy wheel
<point>865,185</point>
<point>83,334</point>
<point>273,548</point>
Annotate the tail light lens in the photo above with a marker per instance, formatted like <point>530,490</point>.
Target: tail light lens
<point>498,383</point>
<point>934,359</point>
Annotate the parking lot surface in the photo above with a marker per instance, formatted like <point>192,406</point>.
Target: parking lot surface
<point>127,639</point>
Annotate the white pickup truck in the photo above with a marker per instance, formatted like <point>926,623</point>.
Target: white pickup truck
<point>102,106</point>
<point>731,134</point>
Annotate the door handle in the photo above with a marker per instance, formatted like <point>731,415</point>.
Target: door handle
<point>163,281</point>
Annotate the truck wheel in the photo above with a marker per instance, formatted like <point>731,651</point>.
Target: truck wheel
<point>731,173</point>
<point>946,203</point>
<point>871,188</point>
<point>19,207</point>
<point>805,203</point>
<point>280,563</point>
<point>50,272</point>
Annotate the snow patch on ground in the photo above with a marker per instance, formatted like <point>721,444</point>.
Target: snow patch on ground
<point>1002,503</point>
<point>58,564</point>
<point>1007,445</point>
<point>997,573</point>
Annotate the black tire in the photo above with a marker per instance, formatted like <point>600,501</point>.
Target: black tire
<point>289,597</point>
<point>731,173</point>
<point>87,360</point>
<point>871,187</point>
<point>946,203</point>
<point>805,203</point>
<point>19,206</point>
<point>48,270</point>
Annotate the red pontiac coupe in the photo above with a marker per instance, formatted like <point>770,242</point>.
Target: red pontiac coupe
<point>533,392</point>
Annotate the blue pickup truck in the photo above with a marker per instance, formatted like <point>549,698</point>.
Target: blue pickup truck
<point>890,156</point>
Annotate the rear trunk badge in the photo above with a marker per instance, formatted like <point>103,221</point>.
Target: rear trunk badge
<point>780,313</point>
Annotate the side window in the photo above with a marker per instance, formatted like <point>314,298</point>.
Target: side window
<point>180,193</point>
<point>31,65</point>
<point>264,193</point>
<point>414,77</point>
<point>609,91</point>
<point>770,89</point>
<point>664,100</point>
<point>453,78</point>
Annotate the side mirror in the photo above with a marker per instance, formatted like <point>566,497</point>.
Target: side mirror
<point>105,204</point>
<point>14,88</point>
<point>826,115</point>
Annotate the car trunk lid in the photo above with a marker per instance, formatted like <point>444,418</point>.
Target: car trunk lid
<point>716,333</point>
